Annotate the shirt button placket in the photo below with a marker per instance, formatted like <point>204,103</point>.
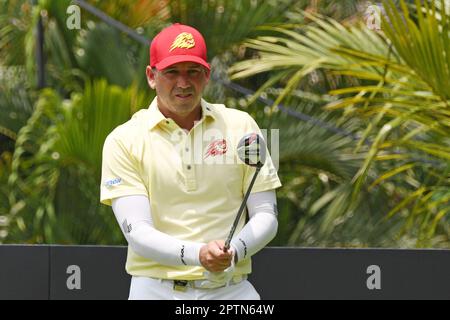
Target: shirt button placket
<point>190,168</point>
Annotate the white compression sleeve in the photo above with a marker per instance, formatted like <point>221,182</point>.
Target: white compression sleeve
<point>133,213</point>
<point>262,226</point>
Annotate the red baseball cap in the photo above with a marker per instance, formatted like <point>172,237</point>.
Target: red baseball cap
<point>177,43</point>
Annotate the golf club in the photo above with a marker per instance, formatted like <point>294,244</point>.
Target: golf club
<point>251,150</point>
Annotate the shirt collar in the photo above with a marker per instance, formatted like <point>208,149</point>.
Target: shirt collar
<point>156,117</point>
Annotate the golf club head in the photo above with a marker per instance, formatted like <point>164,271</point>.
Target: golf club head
<point>251,150</point>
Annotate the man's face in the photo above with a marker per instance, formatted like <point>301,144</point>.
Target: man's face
<point>179,87</point>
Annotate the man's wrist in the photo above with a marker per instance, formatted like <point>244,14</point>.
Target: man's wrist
<point>192,253</point>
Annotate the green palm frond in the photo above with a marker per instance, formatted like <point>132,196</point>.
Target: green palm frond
<point>299,53</point>
<point>424,46</point>
<point>401,94</point>
<point>135,14</point>
<point>226,23</point>
<point>5,169</point>
<point>116,67</point>
<point>330,218</point>
<point>55,174</point>
<point>16,100</point>
<point>16,19</point>
<point>309,143</point>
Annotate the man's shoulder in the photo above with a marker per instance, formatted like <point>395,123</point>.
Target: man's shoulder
<point>230,114</point>
<point>132,129</point>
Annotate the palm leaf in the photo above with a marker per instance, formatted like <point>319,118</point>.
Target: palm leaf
<point>214,17</point>
<point>56,166</point>
<point>405,89</point>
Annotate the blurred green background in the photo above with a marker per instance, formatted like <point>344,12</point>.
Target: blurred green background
<point>380,180</point>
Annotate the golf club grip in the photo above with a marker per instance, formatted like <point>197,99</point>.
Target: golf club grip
<point>241,209</point>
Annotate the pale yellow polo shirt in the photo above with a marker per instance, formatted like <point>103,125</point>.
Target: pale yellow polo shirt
<point>195,181</point>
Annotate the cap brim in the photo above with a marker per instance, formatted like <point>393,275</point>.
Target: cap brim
<point>180,58</point>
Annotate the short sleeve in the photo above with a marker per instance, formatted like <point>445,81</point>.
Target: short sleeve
<point>120,172</point>
<point>268,177</point>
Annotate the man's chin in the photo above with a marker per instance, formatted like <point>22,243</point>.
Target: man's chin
<point>184,109</point>
<point>187,106</point>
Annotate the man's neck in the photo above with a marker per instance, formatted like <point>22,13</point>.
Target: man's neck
<point>184,121</point>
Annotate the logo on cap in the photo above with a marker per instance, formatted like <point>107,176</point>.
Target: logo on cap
<point>184,40</point>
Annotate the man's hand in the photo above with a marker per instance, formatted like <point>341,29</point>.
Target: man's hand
<point>213,256</point>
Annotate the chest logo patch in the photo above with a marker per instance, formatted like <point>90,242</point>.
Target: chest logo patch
<point>216,148</point>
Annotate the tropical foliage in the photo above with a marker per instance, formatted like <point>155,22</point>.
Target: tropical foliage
<point>362,115</point>
<point>55,173</point>
<point>400,97</point>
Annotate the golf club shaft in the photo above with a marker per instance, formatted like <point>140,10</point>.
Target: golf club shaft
<point>241,209</point>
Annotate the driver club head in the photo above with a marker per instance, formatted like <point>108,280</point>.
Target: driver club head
<point>251,150</point>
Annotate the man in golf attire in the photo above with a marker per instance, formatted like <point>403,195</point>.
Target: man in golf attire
<point>174,180</point>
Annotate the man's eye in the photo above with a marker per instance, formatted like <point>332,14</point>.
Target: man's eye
<point>194,72</point>
<point>171,72</point>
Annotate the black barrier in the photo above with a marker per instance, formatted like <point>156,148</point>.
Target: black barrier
<point>88,272</point>
<point>307,273</point>
<point>24,272</point>
<point>96,272</point>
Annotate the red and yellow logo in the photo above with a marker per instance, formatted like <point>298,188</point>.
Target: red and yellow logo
<point>216,148</point>
<point>184,40</point>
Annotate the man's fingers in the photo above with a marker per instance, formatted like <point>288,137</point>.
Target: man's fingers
<point>219,244</point>
<point>214,258</point>
<point>217,263</point>
<point>218,268</point>
<point>218,251</point>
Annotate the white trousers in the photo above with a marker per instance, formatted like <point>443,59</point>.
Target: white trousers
<point>143,288</point>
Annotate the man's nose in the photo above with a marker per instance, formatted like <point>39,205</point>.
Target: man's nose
<point>183,81</point>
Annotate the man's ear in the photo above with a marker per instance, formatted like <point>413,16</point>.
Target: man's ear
<point>150,77</point>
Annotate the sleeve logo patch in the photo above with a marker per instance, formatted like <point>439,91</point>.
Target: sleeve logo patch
<point>114,182</point>
<point>126,227</point>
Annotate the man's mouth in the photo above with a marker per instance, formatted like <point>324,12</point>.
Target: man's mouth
<point>184,95</point>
